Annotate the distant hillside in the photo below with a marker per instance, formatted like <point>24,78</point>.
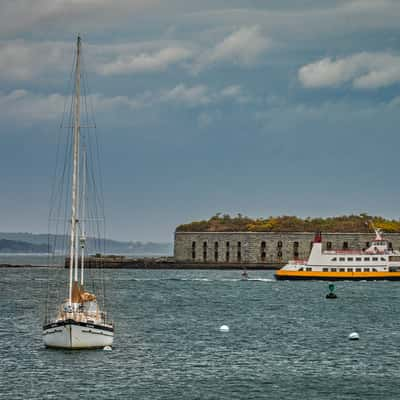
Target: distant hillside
<point>14,246</point>
<point>111,246</point>
<point>345,223</point>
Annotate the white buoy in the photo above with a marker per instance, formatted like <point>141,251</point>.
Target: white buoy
<point>107,348</point>
<point>224,328</point>
<point>354,336</point>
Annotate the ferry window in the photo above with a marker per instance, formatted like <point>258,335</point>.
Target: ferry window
<point>263,256</point>
<point>358,258</point>
<point>295,245</point>
<point>345,245</point>
<point>383,259</point>
<point>193,245</point>
<point>333,269</point>
<point>308,269</point>
<point>342,270</point>
<point>325,269</point>
<point>349,258</point>
<point>263,244</point>
<point>333,259</point>
<point>374,270</point>
<point>301,269</point>
<point>366,269</point>
<point>374,258</point>
<point>349,269</point>
<point>366,258</point>
<point>227,256</point>
<point>279,244</point>
<point>329,245</point>
<point>358,269</point>
<point>193,255</point>
<point>342,259</point>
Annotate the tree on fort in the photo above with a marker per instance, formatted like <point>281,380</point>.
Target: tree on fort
<point>346,223</point>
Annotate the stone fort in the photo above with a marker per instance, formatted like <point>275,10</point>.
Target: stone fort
<point>263,248</point>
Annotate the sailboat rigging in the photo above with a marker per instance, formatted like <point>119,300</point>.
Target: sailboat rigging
<point>80,320</point>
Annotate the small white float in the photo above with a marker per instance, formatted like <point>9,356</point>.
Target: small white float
<point>224,328</point>
<point>354,336</point>
<point>107,348</point>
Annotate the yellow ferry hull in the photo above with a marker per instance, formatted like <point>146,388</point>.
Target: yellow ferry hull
<point>336,276</point>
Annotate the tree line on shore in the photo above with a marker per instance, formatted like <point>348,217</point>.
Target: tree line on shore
<point>345,223</point>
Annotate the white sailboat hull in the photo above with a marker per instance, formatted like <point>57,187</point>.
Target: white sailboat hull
<point>74,335</point>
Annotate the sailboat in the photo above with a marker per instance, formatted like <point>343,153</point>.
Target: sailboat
<point>78,321</point>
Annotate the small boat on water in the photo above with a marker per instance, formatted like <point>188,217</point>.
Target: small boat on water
<point>244,276</point>
<point>377,262</point>
<point>78,320</point>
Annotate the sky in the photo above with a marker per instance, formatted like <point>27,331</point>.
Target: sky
<point>254,107</point>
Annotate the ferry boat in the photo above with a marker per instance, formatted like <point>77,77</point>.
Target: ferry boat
<point>377,262</point>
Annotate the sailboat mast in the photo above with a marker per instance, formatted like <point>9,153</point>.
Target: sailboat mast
<point>83,202</point>
<point>75,183</point>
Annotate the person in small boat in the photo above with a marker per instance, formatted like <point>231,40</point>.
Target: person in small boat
<point>245,275</point>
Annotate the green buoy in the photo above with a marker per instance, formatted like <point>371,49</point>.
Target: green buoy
<point>331,294</point>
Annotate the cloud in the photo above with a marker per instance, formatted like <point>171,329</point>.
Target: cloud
<point>190,96</point>
<point>242,47</point>
<point>144,62</point>
<point>23,105</point>
<point>363,70</point>
<point>25,60</point>
<point>22,60</point>
<point>70,15</point>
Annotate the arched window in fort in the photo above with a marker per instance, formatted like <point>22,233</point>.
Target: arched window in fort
<point>239,255</point>
<point>263,245</point>
<point>227,245</point>
<point>279,244</point>
<point>296,254</point>
<point>345,245</point>
<point>295,245</point>
<point>193,250</point>
<point>329,245</point>
<point>367,244</point>
<point>263,256</point>
<point>216,246</point>
<point>279,254</point>
<point>227,256</point>
<point>204,251</point>
<point>239,245</point>
<point>216,255</point>
<point>390,245</point>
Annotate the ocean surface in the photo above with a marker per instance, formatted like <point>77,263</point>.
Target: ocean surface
<point>286,341</point>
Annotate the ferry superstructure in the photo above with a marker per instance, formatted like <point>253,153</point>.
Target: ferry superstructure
<point>377,262</point>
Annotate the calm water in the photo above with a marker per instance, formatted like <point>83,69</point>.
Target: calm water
<point>286,340</point>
